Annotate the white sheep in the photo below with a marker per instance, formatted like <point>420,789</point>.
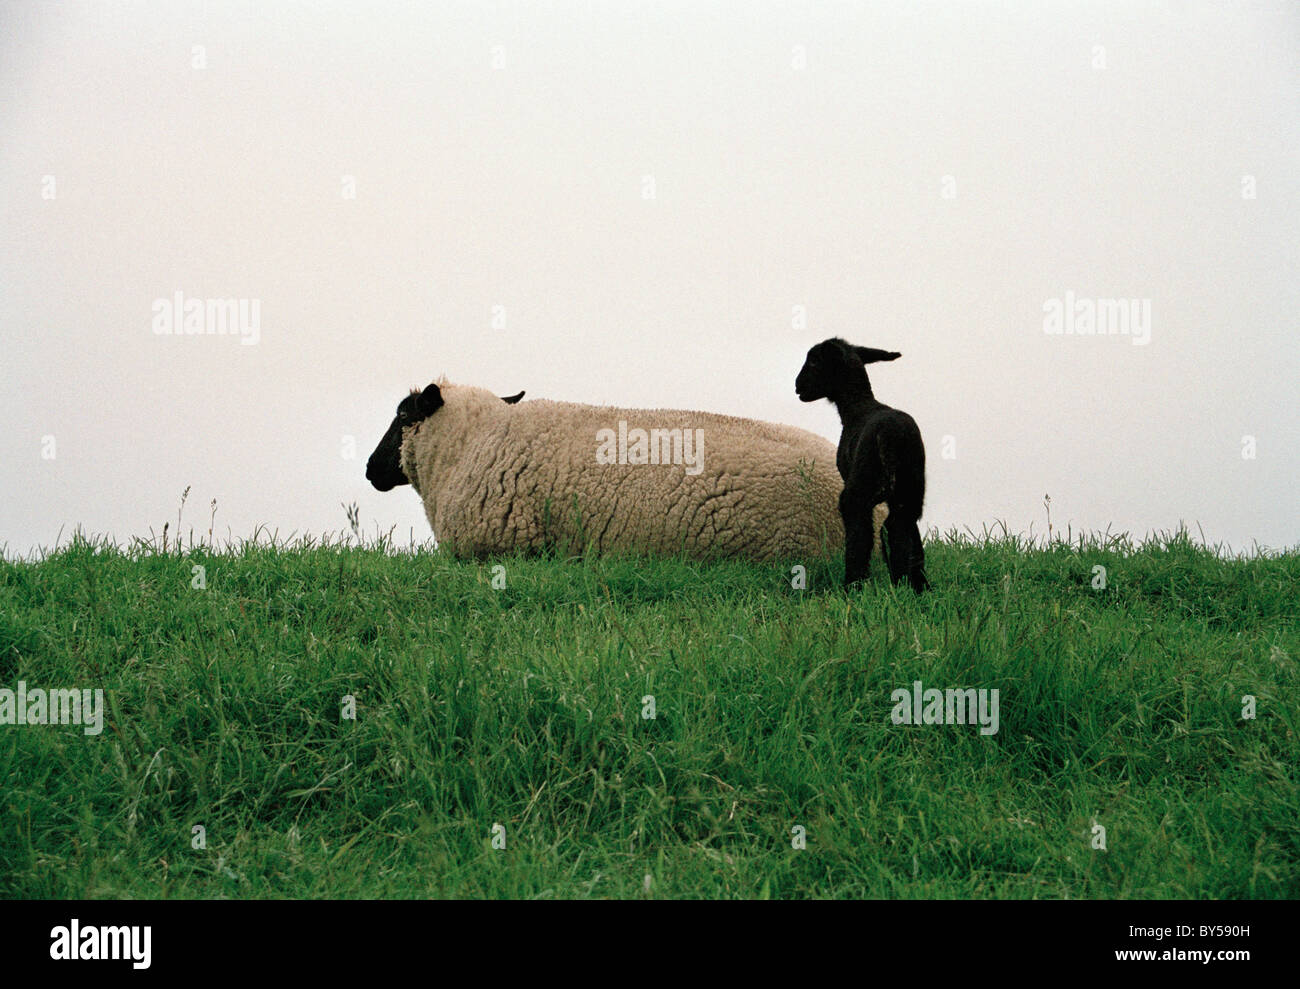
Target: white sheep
<point>498,475</point>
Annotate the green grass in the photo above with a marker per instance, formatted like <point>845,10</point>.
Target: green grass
<point>523,706</point>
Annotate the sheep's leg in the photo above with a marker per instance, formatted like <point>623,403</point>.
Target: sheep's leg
<point>858,538</point>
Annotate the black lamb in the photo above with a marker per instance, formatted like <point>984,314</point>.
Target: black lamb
<point>881,459</point>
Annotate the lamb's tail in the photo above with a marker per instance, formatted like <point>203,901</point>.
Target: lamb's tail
<point>902,456</point>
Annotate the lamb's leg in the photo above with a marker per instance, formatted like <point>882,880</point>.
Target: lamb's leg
<point>858,537</point>
<point>916,568</point>
<point>897,548</point>
<point>906,552</point>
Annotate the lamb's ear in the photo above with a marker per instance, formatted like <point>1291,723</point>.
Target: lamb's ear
<point>429,401</point>
<point>512,399</point>
<point>871,356</point>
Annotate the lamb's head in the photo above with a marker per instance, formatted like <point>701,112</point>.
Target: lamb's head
<point>836,369</point>
<point>384,468</point>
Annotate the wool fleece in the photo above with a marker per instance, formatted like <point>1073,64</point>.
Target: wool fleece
<point>497,477</point>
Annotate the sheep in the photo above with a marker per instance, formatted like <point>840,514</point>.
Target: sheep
<point>496,477</point>
<point>880,457</point>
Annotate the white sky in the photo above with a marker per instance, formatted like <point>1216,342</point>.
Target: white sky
<point>775,187</point>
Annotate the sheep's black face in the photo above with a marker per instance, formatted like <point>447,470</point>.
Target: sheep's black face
<point>384,469</point>
<point>835,369</point>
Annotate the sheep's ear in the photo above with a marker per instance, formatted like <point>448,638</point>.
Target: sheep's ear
<point>871,356</point>
<point>429,401</point>
<point>512,399</point>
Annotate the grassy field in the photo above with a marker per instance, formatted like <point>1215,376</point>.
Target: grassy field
<point>523,706</point>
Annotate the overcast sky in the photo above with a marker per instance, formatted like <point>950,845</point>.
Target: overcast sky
<point>651,205</point>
